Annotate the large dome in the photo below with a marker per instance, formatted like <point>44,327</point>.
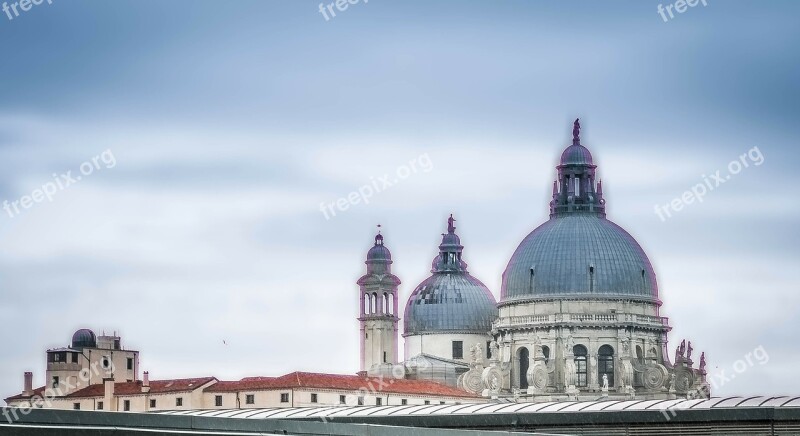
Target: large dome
<point>579,256</point>
<point>578,253</point>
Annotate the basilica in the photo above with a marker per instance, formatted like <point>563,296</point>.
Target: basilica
<point>578,317</point>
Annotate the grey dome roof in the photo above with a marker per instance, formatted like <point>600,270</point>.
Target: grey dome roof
<point>450,302</point>
<point>576,154</point>
<point>84,338</point>
<point>379,253</point>
<point>579,256</point>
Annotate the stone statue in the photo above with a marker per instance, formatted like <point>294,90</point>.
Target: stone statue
<point>671,381</point>
<point>477,353</point>
<point>677,354</point>
<point>576,130</point>
<point>683,347</point>
<point>495,383</point>
<point>450,227</point>
<point>569,344</point>
<point>494,348</point>
<point>689,351</point>
<point>703,362</point>
<point>605,382</point>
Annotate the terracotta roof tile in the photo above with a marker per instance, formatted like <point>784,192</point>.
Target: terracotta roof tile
<point>134,388</point>
<point>20,396</point>
<point>340,382</point>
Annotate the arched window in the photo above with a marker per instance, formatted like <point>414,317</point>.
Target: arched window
<point>523,367</point>
<point>391,304</point>
<point>546,353</point>
<point>639,354</point>
<point>366,304</point>
<point>605,364</point>
<point>374,302</point>
<point>580,365</point>
<point>385,303</point>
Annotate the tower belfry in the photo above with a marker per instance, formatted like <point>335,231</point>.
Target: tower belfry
<point>378,311</point>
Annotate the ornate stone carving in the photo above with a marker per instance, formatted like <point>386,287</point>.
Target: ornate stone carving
<point>537,377</point>
<point>470,381</point>
<point>477,354</point>
<point>654,377</point>
<point>492,381</point>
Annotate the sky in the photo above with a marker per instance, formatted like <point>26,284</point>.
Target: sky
<point>209,136</point>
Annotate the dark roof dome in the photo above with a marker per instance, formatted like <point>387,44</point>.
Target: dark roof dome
<point>579,256</point>
<point>578,253</point>
<point>379,252</point>
<point>450,300</point>
<point>84,338</point>
<point>576,154</point>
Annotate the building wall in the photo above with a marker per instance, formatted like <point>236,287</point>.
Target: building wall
<point>632,329</point>
<point>379,336</point>
<point>89,369</point>
<point>441,345</point>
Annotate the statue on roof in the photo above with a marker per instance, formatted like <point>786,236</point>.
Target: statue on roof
<point>576,130</point>
<point>703,362</point>
<point>689,351</point>
<point>450,227</point>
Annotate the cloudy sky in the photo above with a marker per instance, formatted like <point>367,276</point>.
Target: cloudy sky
<point>229,123</point>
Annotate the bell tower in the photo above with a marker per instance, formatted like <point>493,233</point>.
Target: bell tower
<point>378,309</point>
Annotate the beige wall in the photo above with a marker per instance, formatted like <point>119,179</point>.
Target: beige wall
<point>441,345</point>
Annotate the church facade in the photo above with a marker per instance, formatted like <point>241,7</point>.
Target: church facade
<point>578,316</point>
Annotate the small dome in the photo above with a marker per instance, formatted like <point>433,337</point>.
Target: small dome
<point>84,338</point>
<point>451,239</point>
<point>450,302</point>
<point>379,253</point>
<point>576,154</point>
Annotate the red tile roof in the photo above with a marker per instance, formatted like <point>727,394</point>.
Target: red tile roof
<point>340,382</point>
<point>134,388</point>
<point>37,391</point>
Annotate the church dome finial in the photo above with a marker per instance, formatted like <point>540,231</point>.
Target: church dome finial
<point>379,253</point>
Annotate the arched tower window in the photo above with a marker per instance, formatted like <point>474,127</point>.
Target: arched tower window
<point>580,353</point>
<point>523,367</point>
<point>374,302</point>
<point>366,304</point>
<point>391,304</point>
<point>605,364</point>
<point>385,303</point>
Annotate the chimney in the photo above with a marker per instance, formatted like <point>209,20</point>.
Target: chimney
<point>108,394</point>
<point>146,382</point>
<point>28,384</point>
